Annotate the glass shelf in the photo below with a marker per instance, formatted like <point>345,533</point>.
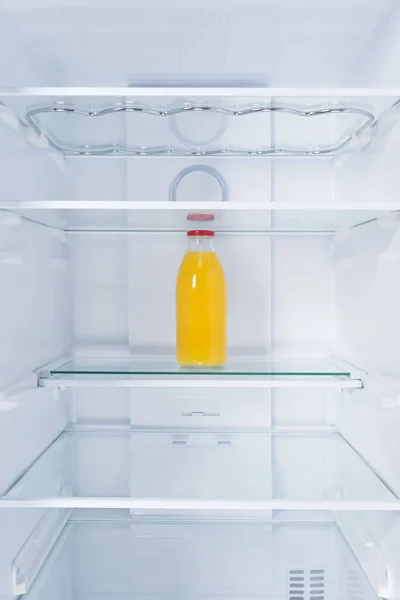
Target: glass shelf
<point>243,366</point>
<point>204,474</point>
<point>111,560</point>
<point>245,372</point>
<point>76,216</point>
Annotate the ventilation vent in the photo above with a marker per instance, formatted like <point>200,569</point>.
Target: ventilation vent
<point>296,585</point>
<point>355,586</point>
<point>317,584</point>
<point>307,585</point>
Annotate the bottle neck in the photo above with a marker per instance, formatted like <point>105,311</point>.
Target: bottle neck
<point>201,244</point>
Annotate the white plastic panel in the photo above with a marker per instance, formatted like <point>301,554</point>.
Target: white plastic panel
<point>371,175</point>
<point>247,180</point>
<point>101,304</point>
<point>370,420</point>
<point>377,63</point>
<point>200,407</point>
<point>40,417</point>
<point>301,180</point>
<point>302,319</point>
<point>367,259</point>
<point>266,42</point>
<point>368,295</point>
<point>33,301</point>
<point>98,179</point>
<point>304,408</point>
<point>97,407</point>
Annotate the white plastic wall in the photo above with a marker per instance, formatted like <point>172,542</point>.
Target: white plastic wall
<point>33,302</point>
<point>367,295</point>
<point>377,63</point>
<point>24,432</point>
<point>366,260</point>
<point>264,42</point>
<point>34,305</point>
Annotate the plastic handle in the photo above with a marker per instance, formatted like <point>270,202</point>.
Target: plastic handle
<point>195,169</point>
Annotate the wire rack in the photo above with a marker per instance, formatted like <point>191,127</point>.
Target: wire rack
<point>365,121</point>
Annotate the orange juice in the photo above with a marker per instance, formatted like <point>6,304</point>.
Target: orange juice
<point>201,305</point>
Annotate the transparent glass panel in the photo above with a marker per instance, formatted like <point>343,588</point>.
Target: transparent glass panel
<point>182,473</point>
<point>239,366</point>
<point>165,217</point>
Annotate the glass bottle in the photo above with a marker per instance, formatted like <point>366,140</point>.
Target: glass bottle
<point>201,304</point>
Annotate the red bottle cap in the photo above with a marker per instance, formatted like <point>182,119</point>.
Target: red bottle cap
<point>200,217</point>
<point>200,233</point>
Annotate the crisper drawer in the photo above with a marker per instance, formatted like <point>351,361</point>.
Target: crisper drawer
<point>104,560</point>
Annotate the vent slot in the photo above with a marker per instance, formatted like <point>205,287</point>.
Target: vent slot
<point>296,585</point>
<point>306,586</point>
<point>355,587</point>
<point>316,584</point>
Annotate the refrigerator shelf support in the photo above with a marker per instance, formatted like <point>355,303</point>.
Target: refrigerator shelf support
<point>36,549</point>
<point>30,134</point>
<point>15,393</point>
<point>371,555</point>
<point>172,382</point>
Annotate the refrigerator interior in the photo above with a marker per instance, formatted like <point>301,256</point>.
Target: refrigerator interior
<point>276,476</point>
